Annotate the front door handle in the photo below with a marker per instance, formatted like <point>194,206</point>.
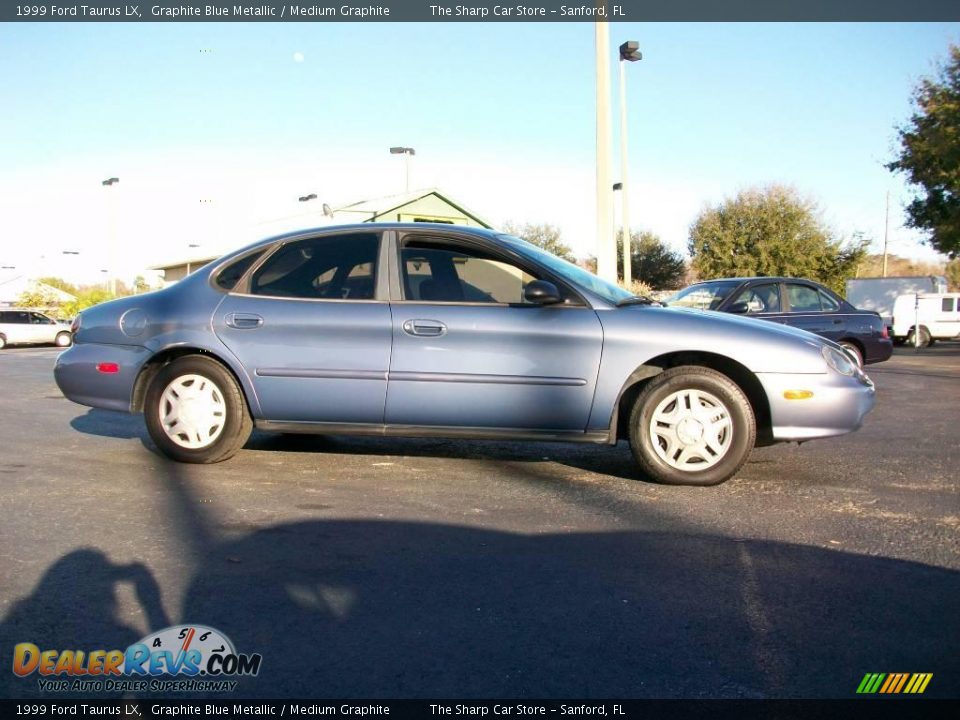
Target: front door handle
<point>837,321</point>
<point>244,321</point>
<point>424,328</point>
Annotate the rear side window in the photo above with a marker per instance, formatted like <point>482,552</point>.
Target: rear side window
<point>827,302</point>
<point>231,274</point>
<point>947,305</point>
<point>337,267</point>
<point>803,298</point>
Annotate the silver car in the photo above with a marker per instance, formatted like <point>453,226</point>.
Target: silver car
<point>20,326</point>
<point>435,330</point>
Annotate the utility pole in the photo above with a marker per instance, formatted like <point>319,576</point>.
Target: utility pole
<point>886,235</point>
<point>606,251</point>
<point>629,52</point>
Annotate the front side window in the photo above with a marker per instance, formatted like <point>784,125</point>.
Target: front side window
<point>760,298</point>
<point>947,305</point>
<point>38,319</point>
<point>445,272</point>
<point>336,267</point>
<point>803,298</point>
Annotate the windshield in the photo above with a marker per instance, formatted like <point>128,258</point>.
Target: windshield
<point>703,296</point>
<point>568,271</point>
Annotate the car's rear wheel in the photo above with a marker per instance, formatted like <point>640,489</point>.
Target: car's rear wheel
<point>64,339</point>
<point>195,411</point>
<point>924,339</point>
<point>853,350</point>
<point>691,425</point>
<point>3,342</point>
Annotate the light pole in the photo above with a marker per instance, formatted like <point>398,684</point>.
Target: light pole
<point>629,52</point>
<point>109,182</point>
<point>409,152</point>
<point>606,253</point>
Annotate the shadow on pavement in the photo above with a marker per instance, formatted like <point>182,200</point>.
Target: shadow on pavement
<point>74,606</point>
<point>393,609</point>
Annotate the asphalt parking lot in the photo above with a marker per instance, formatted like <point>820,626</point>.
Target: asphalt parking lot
<point>364,567</point>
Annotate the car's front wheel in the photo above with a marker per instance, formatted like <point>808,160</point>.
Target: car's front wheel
<point>195,411</point>
<point>3,342</point>
<point>691,425</point>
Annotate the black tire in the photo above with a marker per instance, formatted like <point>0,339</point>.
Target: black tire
<point>63,339</point>
<point>743,426</point>
<point>854,350</point>
<point>3,341</point>
<point>924,337</point>
<point>237,423</point>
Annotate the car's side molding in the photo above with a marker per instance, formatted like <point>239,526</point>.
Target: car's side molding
<point>444,431</point>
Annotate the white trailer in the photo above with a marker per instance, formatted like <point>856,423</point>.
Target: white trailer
<point>879,293</point>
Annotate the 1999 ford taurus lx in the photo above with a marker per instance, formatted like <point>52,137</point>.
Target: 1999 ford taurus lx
<point>434,330</point>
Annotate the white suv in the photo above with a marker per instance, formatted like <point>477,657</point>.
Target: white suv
<point>29,327</point>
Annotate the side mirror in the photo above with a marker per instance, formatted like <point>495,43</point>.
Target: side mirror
<point>541,292</point>
<point>740,308</point>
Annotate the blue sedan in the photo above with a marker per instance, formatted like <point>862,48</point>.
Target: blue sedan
<point>434,330</point>
<point>796,302</point>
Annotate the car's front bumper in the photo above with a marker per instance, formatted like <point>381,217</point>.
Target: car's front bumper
<point>837,406</point>
<point>79,379</point>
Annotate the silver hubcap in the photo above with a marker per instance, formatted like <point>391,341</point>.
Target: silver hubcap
<point>691,430</point>
<point>192,411</point>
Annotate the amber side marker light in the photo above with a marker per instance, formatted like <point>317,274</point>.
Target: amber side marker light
<point>797,394</point>
<point>108,368</point>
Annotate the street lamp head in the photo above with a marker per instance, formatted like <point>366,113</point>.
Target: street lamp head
<point>327,211</point>
<point>402,151</point>
<point>110,181</point>
<point>630,51</point>
<point>305,198</point>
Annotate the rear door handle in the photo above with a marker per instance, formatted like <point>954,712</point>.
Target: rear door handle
<point>244,321</point>
<point>424,328</point>
<point>837,321</point>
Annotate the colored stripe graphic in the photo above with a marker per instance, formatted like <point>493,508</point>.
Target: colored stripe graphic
<point>894,683</point>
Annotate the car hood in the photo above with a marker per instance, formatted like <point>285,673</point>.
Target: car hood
<point>760,345</point>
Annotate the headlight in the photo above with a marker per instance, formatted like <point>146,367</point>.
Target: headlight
<point>838,360</point>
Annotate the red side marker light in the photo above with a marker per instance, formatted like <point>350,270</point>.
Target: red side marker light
<point>108,368</point>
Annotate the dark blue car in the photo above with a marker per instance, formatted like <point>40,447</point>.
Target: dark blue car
<point>799,303</point>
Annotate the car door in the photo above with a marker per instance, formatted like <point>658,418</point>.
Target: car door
<point>814,311</point>
<point>469,352</point>
<point>311,326</point>
<point>42,328</point>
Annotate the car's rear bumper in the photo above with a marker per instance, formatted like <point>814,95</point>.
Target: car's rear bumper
<point>838,405</point>
<point>878,351</point>
<point>79,379</point>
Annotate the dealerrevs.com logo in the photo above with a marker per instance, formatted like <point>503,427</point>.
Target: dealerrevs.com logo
<point>182,658</point>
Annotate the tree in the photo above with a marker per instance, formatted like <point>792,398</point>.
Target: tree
<point>543,236</point>
<point>952,272</point>
<point>770,231</point>
<point>86,297</point>
<point>930,156</point>
<point>652,262</point>
<point>39,298</point>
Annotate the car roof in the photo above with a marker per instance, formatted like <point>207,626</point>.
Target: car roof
<point>764,278</point>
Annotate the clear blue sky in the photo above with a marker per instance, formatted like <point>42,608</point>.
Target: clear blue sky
<point>714,107</point>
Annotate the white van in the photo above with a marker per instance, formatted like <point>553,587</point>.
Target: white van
<point>939,315</point>
<point>28,327</point>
